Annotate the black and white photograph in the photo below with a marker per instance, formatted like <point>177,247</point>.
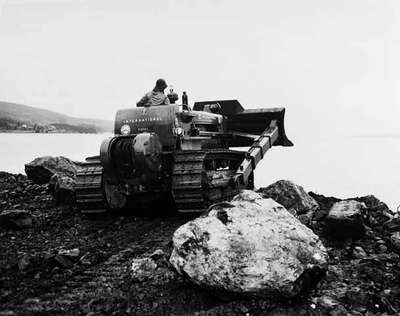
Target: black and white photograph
<point>200,157</point>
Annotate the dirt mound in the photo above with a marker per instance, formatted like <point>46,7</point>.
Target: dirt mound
<point>67,263</point>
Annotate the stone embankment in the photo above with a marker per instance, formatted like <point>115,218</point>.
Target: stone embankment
<point>281,251</point>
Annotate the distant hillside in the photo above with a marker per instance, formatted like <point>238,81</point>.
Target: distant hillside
<point>12,114</point>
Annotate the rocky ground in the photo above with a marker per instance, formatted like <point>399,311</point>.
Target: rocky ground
<point>54,260</point>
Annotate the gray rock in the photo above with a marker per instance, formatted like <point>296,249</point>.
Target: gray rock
<point>393,224</point>
<point>382,249</point>
<point>70,253</point>
<point>42,169</point>
<point>345,220</point>
<point>157,254</point>
<point>294,198</point>
<point>250,246</point>
<point>327,302</point>
<point>359,253</point>
<point>357,297</point>
<point>340,310</point>
<point>62,188</point>
<point>64,258</point>
<point>307,218</point>
<point>142,269</point>
<point>63,261</point>
<point>7,313</point>
<point>376,213</point>
<point>395,241</point>
<point>16,219</point>
<point>23,263</point>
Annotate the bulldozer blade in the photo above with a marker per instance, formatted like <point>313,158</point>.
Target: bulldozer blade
<point>248,124</point>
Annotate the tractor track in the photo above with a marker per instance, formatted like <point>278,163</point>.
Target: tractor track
<point>196,184</point>
<point>88,188</point>
<point>193,184</point>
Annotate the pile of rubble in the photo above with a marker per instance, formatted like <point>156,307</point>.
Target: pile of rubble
<point>345,263</point>
<point>279,251</point>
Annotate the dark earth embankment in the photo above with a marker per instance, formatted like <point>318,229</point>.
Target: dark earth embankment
<point>67,263</point>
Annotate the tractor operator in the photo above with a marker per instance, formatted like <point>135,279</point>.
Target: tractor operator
<point>156,96</point>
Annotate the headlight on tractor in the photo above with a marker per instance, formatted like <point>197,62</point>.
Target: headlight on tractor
<point>125,129</point>
<point>178,131</point>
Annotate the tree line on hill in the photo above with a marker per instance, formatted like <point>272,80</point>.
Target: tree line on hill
<point>24,118</point>
<point>7,125</point>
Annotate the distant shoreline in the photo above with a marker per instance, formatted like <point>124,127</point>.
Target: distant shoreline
<point>17,131</point>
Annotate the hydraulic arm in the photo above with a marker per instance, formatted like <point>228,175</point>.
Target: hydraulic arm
<point>256,153</point>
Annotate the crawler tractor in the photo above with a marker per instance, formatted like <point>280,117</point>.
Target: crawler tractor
<point>180,155</point>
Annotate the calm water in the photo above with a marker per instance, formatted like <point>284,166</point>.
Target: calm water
<point>344,167</point>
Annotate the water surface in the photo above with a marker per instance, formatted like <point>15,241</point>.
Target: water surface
<point>343,167</point>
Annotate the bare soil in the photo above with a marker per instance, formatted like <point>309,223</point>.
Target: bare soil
<point>34,281</point>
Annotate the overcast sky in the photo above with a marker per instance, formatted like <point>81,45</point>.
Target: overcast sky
<point>335,65</point>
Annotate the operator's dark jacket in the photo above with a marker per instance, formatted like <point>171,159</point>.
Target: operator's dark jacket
<point>152,98</point>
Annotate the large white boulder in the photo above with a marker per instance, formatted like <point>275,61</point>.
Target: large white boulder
<point>251,246</point>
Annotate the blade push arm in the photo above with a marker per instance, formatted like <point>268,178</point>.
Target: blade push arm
<point>256,153</point>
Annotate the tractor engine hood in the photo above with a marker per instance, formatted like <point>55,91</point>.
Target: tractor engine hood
<point>155,119</point>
